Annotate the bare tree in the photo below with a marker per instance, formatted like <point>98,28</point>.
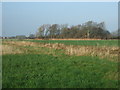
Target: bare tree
<point>40,33</point>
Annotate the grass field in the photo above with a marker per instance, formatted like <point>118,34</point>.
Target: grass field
<point>60,64</point>
<point>77,42</point>
<point>81,42</point>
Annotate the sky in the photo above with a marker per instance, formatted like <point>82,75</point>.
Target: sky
<point>24,18</point>
<point>0,19</point>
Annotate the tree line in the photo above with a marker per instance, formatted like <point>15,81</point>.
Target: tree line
<point>89,30</point>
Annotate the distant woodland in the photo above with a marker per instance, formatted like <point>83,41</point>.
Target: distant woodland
<point>90,29</point>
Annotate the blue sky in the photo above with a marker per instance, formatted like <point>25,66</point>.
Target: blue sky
<point>23,18</point>
<point>0,19</point>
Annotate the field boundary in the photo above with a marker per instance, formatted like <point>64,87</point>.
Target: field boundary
<point>72,39</point>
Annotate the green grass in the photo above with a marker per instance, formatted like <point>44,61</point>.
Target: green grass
<point>75,42</point>
<point>42,67</point>
<point>48,71</point>
<point>81,42</point>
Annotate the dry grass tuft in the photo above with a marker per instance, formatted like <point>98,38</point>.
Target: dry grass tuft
<point>112,75</point>
<point>101,51</point>
<point>6,49</point>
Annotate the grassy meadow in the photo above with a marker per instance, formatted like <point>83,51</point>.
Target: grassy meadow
<point>60,63</point>
<point>81,42</point>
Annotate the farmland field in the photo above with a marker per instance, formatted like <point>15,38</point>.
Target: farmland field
<point>60,63</point>
<point>81,42</point>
